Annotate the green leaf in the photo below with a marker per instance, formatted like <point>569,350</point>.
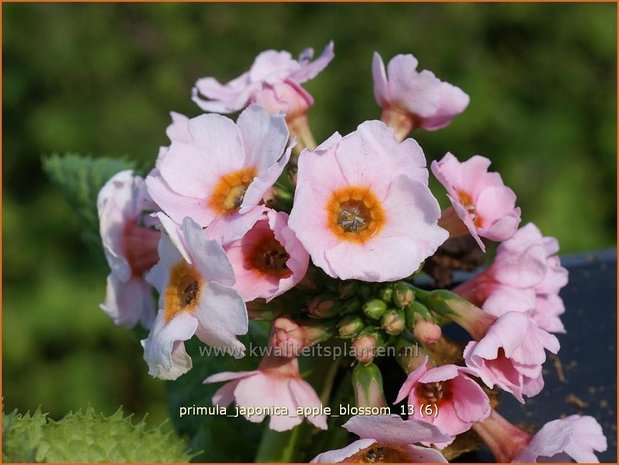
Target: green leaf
<point>87,437</point>
<point>80,178</point>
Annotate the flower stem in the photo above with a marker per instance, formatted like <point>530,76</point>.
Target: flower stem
<point>504,440</point>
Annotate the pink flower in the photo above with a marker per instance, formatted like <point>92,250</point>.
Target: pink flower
<point>526,275</point>
<point>216,171</point>
<point>426,332</point>
<point>387,438</point>
<point>416,99</point>
<point>130,249</point>
<point>362,206</point>
<point>480,199</point>
<point>573,437</point>
<point>273,82</point>
<point>276,383</point>
<point>511,355</point>
<point>194,279</point>
<point>269,259</point>
<point>459,400</point>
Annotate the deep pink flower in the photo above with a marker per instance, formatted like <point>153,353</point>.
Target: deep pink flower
<point>194,279</point>
<point>273,82</point>
<point>573,437</point>
<point>480,199</point>
<point>269,259</point>
<point>276,383</point>
<point>511,354</point>
<point>459,400</point>
<point>411,98</point>
<point>387,438</point>
<point>362,205</point>
<point>216,171</point>
<point>130,249</point>
<point>526,275</point>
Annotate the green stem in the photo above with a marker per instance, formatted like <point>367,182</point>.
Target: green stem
<point>279,447</point>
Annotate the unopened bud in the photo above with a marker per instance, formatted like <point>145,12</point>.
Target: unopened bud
<point>287,337</point>
<point>347,289</point>
<point>374,309</point>
<point>386,294</point>
<point>403,294</point>
<point>427,332</point>
<point>415,310</point>
<point>365,344</point>
<point>393,321</point>
<point>350,326</point>
<point>324,306</point>
<point>368,386</point>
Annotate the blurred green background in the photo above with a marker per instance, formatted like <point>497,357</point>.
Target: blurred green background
<point>101,78</point>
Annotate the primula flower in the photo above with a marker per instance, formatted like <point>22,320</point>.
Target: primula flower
<point>387,438</point>
<point>273,81</point>
<point>194,279</point>
<point>216,171</point>
<point>480,199</point>
<point>276,383</point>
<point>511,354</point>
<point>525,274</point>
<point>459,400</point>
<point>573,437</point>
<point>269,259</point>
<point>411,98</point>
<point>362,206</point>
<point>130,249</point>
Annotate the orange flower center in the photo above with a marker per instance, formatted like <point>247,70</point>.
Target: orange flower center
<point>355,214</point>
<point>467,202</point>
<point>378,453</point>
<point>268,257</point>
<point>183,291</point>
<point>229,192</point>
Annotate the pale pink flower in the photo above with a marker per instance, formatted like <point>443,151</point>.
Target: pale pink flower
<point>460,401</point>
<point>362,206</point>
<point>511,354</point>
<point>269,259</point>
<point>276,383</point>
<point>419,98</point>
<point>194,279</point>
<point>273,81</point>
<point>387,438</point>
<point>216,171</point>
<point>480,199</point>
<point>525,274</point>
<point>574,437</point>
<point>130,249</point>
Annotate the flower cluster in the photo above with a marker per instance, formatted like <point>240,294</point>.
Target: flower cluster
<point>250,219</point>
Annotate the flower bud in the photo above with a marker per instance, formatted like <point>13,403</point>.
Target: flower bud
<point>350,326</point>
<point>290,337</point>
<point>403,294</point>
<point>374,309</point>
<point>427,332</point>
<point>386,294</point>
<point>365,344</point>
<point>347,289</point>
<point>393,321</point>
<point>324,306</point>
<point>415,310</point>
<point>368,386</point>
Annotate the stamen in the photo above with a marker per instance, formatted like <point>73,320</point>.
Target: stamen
<point>354,214</point>
<point>229,192</point>
<point>433,392</point>
<point>183,291</point>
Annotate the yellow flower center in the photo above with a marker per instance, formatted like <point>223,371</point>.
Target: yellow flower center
<point>183,291</point>
<point>467,202</point>
<point>229,192</point>
<point>355,214</point>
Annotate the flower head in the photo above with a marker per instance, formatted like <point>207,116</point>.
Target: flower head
<point>216,171</point>
<point>460,401</point>
<point>130,249</point>
<point>387,438</point>
<point>482,202</point>
<point>573,437</point>
<point>273,81</point>
<point>511,355</point>
<point>276,383</point>
<point>362,206</point>
<point>194,279</point>
<point>418,97</point>
<point>269,259</point>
